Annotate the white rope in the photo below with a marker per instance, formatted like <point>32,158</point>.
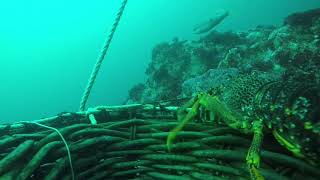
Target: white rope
<point>64,141</point>
<point>101,58</point>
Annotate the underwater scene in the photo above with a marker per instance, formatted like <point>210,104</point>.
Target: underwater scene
<point>160,90</point>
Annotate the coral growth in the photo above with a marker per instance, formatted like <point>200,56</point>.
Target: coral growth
<point>211,79</point>
<point>181,68</point>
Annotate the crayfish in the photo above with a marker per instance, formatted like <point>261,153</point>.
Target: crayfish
<point>255,104</point>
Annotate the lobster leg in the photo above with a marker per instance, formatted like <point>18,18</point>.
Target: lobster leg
<point>253,155</point>
<point>189,117</point>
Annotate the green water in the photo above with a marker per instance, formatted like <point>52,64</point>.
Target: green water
<point>48,48</point>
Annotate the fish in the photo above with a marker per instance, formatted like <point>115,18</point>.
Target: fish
<point>211,23</point>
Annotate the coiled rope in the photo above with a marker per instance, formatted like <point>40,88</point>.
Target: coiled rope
<point>101,58</point>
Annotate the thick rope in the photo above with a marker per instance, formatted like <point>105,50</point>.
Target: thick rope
<point>101,58</point>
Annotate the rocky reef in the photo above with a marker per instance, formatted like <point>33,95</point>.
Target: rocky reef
<point>181,68</point>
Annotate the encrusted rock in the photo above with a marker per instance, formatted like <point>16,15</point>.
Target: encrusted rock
<point>208,80</point>
<point>306,18</point>
<point>183,68</point>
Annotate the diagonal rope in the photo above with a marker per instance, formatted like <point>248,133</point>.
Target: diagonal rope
<point>101,58</point>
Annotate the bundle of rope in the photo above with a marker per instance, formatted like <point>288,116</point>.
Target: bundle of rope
<point>129,143</point>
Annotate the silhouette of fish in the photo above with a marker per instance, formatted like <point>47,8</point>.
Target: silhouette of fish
<point>213,22</point>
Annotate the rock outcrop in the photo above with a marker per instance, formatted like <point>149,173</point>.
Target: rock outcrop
<point>183,68</point>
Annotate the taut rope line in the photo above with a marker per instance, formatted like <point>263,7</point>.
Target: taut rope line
<point>101,58</point>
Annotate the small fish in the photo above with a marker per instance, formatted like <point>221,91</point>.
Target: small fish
<point>213,22</point>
